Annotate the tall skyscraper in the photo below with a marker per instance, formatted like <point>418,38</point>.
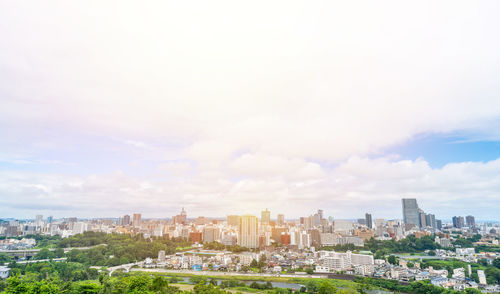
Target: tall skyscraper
<point>136,221</point>
<point>439,224</point>
<point>125,220</point>
<point>410,211</point>
<point>458,221</point>
<point>265,217</point>
<point>281,219</point>
<point>247,233</point>
<point>39,220</point>
<point>368,220</point>
<point>320,212</point>
<point>471,221</point>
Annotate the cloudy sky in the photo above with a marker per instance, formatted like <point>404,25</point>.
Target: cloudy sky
<point>114,107</point>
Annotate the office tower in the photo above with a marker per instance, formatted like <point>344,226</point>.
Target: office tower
<point>470,220</point>
<point>50,219</point>
<point>368,220</point>
<point>39,220</point>
<point>126,220</point>
<point>183,216</point>
<point>210,234</point>
<point>458,222</point>
<point>247,233</point>
<point>421,218</point>
<point>439,224</point>
<point>233,220</point>
<point>320,212</point>
<point>410,211</point>
<point>316,220</point>
<point>281,219</point>
<point>136,221</point>
<point>428,221</point>
<point>431,220</point>
<point>265,217</point>
<point>361,221</point>
<point>180,218</point>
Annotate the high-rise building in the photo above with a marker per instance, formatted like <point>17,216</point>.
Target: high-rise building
<point>281,219</point>
<point>421,218</point>
<point>136,221</point>
<point>210,234</point>
<point>431,221</point>
<point>320,212</point>
<point>439,224</point>
<point>180,218</point>
<point>316,220</point>
<point>368,220</point>
<point>39,220</point>
<point>125,220</point>
<point>265,217</point>
<point>410,211</point>
<point>458,221</point>
<point>248,232</point>
<point>471,221</point>
<point>233,220</point>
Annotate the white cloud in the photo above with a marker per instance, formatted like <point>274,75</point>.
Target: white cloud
<point>356,186</point>
<point>258,98</point>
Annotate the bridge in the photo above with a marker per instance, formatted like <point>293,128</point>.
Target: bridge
<point>126,267</point>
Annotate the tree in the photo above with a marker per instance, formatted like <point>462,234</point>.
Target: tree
<point>59,252</point>
<point>254,263</point>
<point>311,286</point>
<point>392,259</point>
<point>44,254</point>
<point>159,284</point>
<point>4,258</point>
<point>326,287</point>
<point>496,263</point>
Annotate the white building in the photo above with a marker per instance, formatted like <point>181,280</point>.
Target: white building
<point>482,277</point>
<point>4,272</point>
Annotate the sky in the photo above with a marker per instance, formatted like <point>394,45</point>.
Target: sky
<point>230,107</point>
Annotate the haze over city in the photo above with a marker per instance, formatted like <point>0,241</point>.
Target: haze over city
<point>228,108</point>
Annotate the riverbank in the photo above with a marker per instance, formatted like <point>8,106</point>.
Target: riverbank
<point>300,280</point>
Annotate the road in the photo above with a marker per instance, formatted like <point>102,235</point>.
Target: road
<point>33,252</point>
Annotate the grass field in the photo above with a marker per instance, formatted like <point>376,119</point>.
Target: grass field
<point>301,280</point>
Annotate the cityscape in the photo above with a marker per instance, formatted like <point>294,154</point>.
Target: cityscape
<point>271,245</point>
<point>249,147</point>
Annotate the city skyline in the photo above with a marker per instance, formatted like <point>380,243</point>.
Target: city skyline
<point>227,107</point>
<point>134,218</point>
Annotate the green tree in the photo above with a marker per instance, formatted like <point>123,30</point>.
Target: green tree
<point>392,259</point>
<point>326,287</point>
<point>4,258</point>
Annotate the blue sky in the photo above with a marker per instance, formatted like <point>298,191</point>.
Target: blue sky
<point>442,149</point>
